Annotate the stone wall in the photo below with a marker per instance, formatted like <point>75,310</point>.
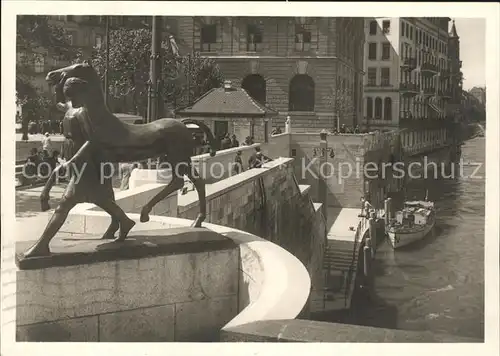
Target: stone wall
<point>315,331</point>
<point>278,146</point>
<point>212,169</point>
<point>267,202</point>
<point>345,173</point>
<point>183,297</point>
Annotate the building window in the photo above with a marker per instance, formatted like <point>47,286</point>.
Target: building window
<point>255,86</point>
<point>385,79</point>
<point>373,28</point>
<point>378,109</point>
<point>386,51</point>
<point>302,38</point>
<point>372,76</point>
<point>208,37</point>
<point>372,51</point>
<point>39,63</point>
<point>386,27</point>
<point>301,95</point>
<point>369,108</point>
<point>98,41</point>
<point>411,32</point>
<point>388,109</point>
<point>254,38</point>
<point>69,18</point>
<point>403,29</point>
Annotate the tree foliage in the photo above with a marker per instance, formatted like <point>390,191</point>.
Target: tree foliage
<point>37,40</point>
<point>184,77</point>
<point>339,99</point>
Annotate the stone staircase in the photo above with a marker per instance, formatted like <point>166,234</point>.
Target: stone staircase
<point>339,255</point>
<point>340,269</point>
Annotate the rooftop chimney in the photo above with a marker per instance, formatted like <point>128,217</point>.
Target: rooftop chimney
<point>227,85</point>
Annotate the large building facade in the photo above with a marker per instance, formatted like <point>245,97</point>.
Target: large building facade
<point>310,69</point>
<point>413,77</point>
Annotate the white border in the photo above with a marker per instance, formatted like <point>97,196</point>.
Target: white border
<point>489,11</point>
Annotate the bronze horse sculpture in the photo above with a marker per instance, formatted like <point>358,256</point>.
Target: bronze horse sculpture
<point>96,136</point>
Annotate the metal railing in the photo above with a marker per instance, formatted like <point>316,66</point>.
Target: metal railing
<point>354,261</point>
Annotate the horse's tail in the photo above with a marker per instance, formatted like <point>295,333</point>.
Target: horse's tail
<point>207,131</point>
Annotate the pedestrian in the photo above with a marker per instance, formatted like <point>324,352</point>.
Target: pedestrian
<point>47,143</point>
<point>258,159</point>
<point>247,141</point>
<point>30,169</point>
<point>125,172</point>
<point>226,142</point>
<point>361,214</point>
<point>238,163</point>
<point>234,141</point>
<point>368,208</point>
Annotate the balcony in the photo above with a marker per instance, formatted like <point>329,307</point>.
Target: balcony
<point>409,122</point>
<point>444,75</point>
<point>428,69</point>
<point>446,94</point>
<point>409,64</point>
<point>409,89</point>
<point>429,91</point>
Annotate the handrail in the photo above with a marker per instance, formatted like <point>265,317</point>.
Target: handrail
<point>351,267</point>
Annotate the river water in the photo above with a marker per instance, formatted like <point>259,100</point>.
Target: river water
<point>437,284</point>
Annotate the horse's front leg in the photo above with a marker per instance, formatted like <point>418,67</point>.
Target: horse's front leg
<point>176,184</point>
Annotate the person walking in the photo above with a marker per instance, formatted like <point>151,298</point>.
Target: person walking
<point>258,159</point>
<point>234,141</point>
<point>125,172</point>
<point>238,163</point>
<point>226,142</point>
<point>47,143</point>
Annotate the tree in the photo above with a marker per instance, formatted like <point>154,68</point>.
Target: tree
<point>184,77</point>
<point>36,40</point>
<point>340,100</point>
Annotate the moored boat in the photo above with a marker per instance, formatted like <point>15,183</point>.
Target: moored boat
<point>412,223</point>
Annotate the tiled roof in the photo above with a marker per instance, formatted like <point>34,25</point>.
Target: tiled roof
<point>221,101</point>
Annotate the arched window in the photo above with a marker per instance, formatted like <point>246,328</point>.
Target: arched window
<point>369,107</point>
<point>301,95</point>
<point>255,86</point>
<point>378,109</point>
<point>388,109</point>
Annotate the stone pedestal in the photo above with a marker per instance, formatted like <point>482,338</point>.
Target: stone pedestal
<point>177,284</point>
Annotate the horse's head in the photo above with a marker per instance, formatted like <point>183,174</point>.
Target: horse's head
<point>58,78</point>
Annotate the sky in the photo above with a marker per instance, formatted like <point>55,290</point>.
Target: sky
<point>472,33</point>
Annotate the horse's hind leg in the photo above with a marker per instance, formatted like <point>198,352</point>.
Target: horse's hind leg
<point>176,184</point>
<point>199,184</point>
